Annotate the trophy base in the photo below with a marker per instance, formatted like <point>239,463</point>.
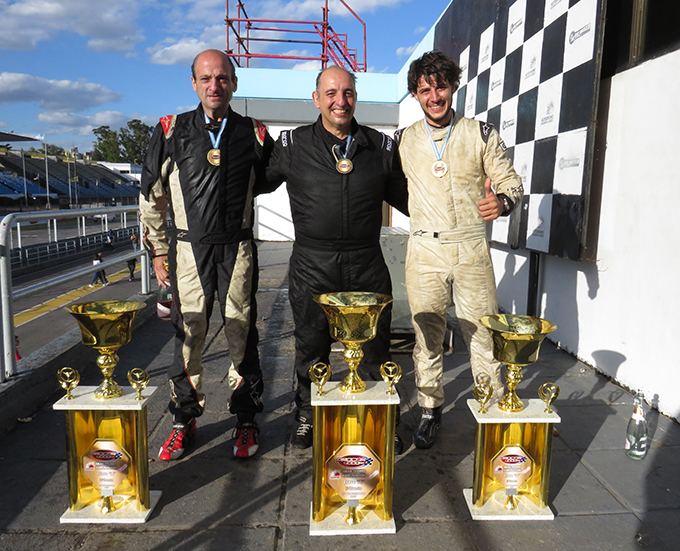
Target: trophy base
<point>335,525</point>
<point>494,509</point>
<point>127,514</point>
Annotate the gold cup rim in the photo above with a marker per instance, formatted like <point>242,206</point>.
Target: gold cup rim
<point>350,299</point>
<point>512,326</point>
<point>104,308</point>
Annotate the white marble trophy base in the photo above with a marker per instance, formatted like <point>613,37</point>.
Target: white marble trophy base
<point>335,525</point>
<point>127,514</point>
<point>494,509</point>
<point>84,399</point>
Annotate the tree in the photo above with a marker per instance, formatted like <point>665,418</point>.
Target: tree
<point>107,145</point>
<point>134,141</point>
<point>51,150</point>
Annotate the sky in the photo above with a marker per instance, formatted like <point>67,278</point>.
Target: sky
<point>68,66</point>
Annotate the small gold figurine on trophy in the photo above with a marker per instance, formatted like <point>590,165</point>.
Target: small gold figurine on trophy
<point>319,373</point>
<point>353,320</point>
<point>482,393</point>
<point>139,379</point>
<point>548,392</point>
<point>391,374</point>
<point>106,326</point>
<point>68,379</point>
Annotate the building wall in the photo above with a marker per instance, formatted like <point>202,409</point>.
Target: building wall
<point>612,313</point>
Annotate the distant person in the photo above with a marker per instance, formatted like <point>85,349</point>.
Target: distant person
<point>109,241</point>
<point>16,347</point>
<point>132,264</point>
<point>100,275</point>
<point>200,169</point>
<point>134,239</point>
<point>459,178</point>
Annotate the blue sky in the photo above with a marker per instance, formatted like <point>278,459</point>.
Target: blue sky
<point>67,66</point>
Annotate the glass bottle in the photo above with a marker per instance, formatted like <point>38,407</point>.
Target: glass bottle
<point>637,435</point>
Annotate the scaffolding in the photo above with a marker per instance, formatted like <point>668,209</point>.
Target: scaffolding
<point>244,31</point>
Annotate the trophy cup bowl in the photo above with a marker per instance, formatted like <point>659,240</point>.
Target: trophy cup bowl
<point>106,326</point>
<point>353,320</point>
<point>516,342</point>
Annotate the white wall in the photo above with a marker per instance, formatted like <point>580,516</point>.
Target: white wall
<point>614,313</point>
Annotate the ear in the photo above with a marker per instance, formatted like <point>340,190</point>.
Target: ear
<point>235,81</point>
<point>315,97</point>
<point>193,83</point>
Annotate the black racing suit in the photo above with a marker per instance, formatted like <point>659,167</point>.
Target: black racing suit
<point>337,219</point>
<point>210,249</point>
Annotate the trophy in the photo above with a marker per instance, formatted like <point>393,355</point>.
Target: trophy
<point>353,320</point>
<point>106,426</point>
<point>516,342</point>
<point>548,392</point>
<point>354,427</point>
<point>105,326</point>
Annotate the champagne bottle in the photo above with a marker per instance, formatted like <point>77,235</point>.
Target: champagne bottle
<point>637,436</point>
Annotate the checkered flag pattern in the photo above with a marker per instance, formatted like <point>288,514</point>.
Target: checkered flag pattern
<point>529,68</point>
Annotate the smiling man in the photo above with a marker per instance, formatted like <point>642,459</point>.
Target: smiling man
<point>200,169</point>
<point>338,174</point>
<point>459,178</point>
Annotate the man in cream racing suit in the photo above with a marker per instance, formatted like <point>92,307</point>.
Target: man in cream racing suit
<point>459,177</point>
<point>201,169</point>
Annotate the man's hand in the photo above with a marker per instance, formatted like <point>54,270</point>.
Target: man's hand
<point>491,207</point>
<point>162,275</point>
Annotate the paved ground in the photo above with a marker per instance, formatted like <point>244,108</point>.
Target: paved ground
<point>211,501</point>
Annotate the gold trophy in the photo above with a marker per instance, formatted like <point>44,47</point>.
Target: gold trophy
<point>516,342</point>
<point>353,320</point>
<point>354,424</point>
<point>548,392</point>
<point>106,427</point>
<point>105,326</point>
<point>513,445</point>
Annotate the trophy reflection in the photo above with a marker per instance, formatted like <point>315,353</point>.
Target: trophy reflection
<point>354,427</point>
<point>516,342</point>
<point>106,326</point>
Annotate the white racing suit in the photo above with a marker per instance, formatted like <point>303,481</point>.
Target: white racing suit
<point>448,251</point>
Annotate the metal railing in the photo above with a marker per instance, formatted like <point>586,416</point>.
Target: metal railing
<point>7,295</point>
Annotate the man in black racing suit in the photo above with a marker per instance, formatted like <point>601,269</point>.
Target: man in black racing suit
<point>201,169</point>
<point>337,214</point>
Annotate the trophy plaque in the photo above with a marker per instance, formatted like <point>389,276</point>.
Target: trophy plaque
<point>354,428</point>
<point>513,443</point>
<point>106,426</point>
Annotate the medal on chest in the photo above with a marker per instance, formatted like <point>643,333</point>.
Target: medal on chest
<point>439,167</point>
<point>214,154</point>
<point>342,164</point>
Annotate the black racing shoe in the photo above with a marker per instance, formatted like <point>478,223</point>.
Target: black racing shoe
<point>425,433</point>
<point>304,436</point>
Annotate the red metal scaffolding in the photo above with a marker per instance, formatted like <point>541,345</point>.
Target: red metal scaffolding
<point>244,30</point>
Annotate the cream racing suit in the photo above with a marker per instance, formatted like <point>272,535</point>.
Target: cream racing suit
<point>210,249</point>
<point>448,252</point>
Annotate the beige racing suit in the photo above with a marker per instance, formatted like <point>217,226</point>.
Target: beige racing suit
<point>448,251</point>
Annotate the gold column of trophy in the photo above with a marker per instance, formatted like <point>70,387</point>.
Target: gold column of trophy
<point>514,441</point>
<point>354,423</point>
<point>106,428</point>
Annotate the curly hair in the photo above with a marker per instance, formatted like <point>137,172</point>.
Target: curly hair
<point>434,67</point>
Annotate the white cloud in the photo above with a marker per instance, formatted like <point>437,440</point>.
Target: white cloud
<point>67,123</point>
<point>404,52</point>
<point>4,124</point>
<point>54,95</point>
<point>307,66</point>
<point>182,51</point>
<point>419,30</point>
<point>111,26</point>
<point>304,9</point>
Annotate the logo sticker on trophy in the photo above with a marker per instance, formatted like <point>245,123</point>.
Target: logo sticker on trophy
<point>354,424</point>
<point>106,428</point>
<point>514,437</point>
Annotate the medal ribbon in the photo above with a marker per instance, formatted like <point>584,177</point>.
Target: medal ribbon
<point>215,140</point>
<point>347,144</point>
<point>438,154</point>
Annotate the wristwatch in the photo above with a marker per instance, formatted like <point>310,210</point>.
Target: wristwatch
<point>506,203</point>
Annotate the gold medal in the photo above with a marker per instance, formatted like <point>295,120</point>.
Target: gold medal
<point>344,166</point>
<point>214,157</point>
<point>439,168</point>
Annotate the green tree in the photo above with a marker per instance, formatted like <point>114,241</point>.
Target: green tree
<point>107,145</point>
<point>134,141</point>
<point>51,150</point>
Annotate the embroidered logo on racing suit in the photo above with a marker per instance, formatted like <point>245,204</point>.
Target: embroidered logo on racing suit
<point>261,131</point>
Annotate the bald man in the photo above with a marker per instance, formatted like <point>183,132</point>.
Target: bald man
<point>338,173</point>
<point>200,169</point>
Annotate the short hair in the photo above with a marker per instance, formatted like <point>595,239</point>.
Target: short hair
<point>433,66</point>
<point>352,75</point>
<point>231,63</point>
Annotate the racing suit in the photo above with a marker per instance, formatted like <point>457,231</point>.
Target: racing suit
<point>337,219</point>
<point>448,252</point>
<point>210,248</point>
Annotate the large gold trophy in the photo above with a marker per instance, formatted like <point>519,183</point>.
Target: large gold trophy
<point>106,428</point>
<point>514,441</point>
<point>354,423</point>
